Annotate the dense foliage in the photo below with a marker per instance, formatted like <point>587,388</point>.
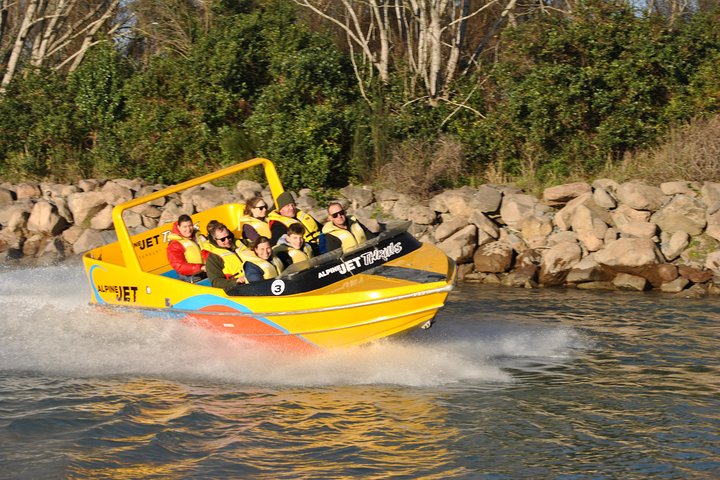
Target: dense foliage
<point>563,94</point>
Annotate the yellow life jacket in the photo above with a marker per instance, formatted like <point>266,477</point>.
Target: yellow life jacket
<point>232,264</point>
<point>350,238</point>
<point>261,227</point>
<point>312,230</point>
<point>192,246</point>
<point>271,268</point>
<point>296,255</point>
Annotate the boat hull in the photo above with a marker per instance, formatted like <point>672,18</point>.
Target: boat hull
<point>388,285</point>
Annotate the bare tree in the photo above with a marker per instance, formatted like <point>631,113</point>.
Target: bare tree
<point>431,36</point>
<point>169,25</point>
<point>52,33</point>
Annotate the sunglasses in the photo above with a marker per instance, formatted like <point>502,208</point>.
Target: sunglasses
<point>227,237</point>
<point>261,207</point>
<point>337,214</point>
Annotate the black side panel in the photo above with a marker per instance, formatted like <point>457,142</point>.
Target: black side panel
<point>333,267</point>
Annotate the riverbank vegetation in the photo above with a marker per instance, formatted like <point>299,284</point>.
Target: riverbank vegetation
<point>370,91</point>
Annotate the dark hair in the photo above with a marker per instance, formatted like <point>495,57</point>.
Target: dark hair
<point>296,229</point>
<point>260,240</point>
<point>184,218</point>
<point>215,226</point>
<point>251,204</point>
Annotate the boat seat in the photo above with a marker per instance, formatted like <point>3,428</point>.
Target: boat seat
<point>173,274</point>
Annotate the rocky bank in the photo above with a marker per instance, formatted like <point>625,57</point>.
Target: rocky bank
<point>607,235</point>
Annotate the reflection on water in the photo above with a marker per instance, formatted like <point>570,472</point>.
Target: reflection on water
<point>508,383</point>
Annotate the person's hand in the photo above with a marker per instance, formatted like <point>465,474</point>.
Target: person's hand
<point>203,269</point>
<point>241,280</point>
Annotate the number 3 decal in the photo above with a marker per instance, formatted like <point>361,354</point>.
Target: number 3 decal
<point>277,287</point>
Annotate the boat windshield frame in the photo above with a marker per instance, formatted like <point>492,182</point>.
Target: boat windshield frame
<point>129,254</point>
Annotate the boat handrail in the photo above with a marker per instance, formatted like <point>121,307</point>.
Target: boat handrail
<point>126,246</point>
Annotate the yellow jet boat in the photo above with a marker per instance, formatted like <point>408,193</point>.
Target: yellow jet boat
<point>388,285</point>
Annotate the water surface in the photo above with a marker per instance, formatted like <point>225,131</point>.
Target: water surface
<point>509,383</point>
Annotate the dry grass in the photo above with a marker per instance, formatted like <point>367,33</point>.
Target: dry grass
<point>419,168</point>
<point>691,152</point>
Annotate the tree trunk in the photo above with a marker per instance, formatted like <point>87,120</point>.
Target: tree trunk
<point>27,23</point>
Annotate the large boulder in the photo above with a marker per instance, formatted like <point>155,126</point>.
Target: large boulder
<point>629,252</point>
<point>564,217</point>
<point>515,207</point>
<point>85,205</point>
<point>493,257</point>
<point>682,214</point>
<point>603,199</point>
<point>638,229</point>
<point>358,196</point>
<point>640,196</point>
<point>710,194</point>
<point>625,281</point>
<point>465,201</point>
<point>712,263</point>
<point>449,226</point>
<point>421,215</point>
<point>679,188</point>
<point>115,193</point>
<point>535,230</point>
<point>45,219</point>
<point>590,227</point>
<point>7,197</point>
<point>624,214</point>
<point>27,190</point>
<point>460,245</point>
<point>562,194</point>
<point>209,197</point>
<point>713,225</point>
<point>672,245</point>
<point>557,262</point>
<point>588,270</point>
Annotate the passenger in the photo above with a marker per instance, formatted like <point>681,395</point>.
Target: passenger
<point>286,214</point>
<point>223,263</point>
<point>260,264</point>
<point>184,250</point>
<point>343,230</point>
<point>252,223</point>
<point>291,248</point>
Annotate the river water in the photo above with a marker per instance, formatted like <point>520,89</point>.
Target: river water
<point>509,383</point>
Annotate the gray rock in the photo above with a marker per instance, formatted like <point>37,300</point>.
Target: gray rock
<point>640,196</point>
<point>358,196</point>
<point>115,193</point>
<point>494,257</point>
<point>674,244</point>
<point>449,226</point>
<point>562,194</point>
<point>516,207</point>
<point>421,215</point>
<point>103,219</point>
<point>710,195</point>
<point>557,262</point>
<point>625,281</point>
<point>603,199</point>
<point>638,229</point>
<point>45,219</point>
<point>682,214</point>
<point>7,197</point>
<point>678,188</point>
<point>27,190</point>
<point>629,252</point>
<point>85,205</point>
<point>675,286</point>
<point>712,262</point>
<point>461,244</point>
